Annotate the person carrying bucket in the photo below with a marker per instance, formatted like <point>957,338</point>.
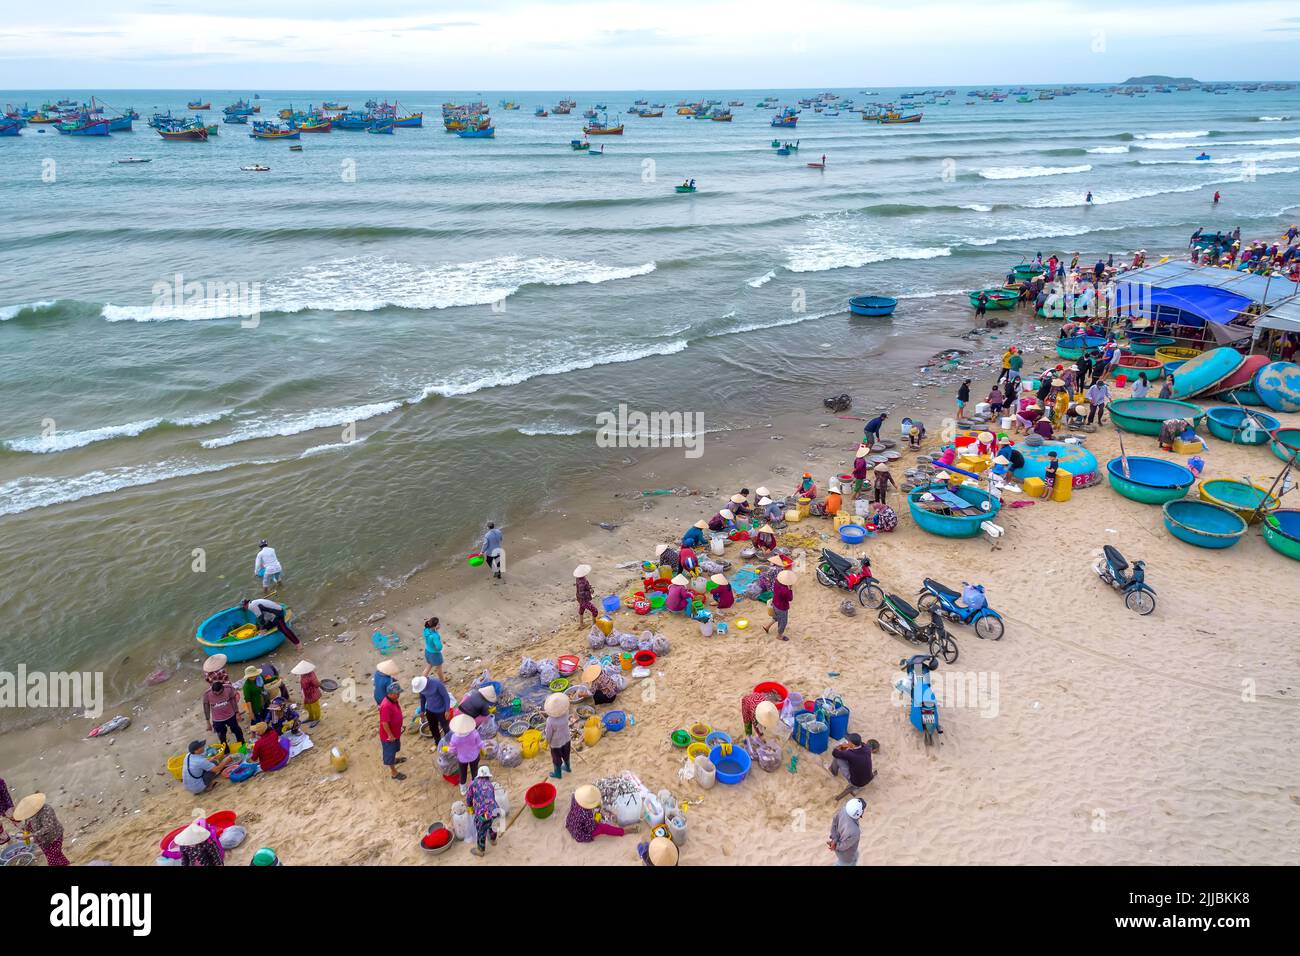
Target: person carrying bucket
<point>584,594</point>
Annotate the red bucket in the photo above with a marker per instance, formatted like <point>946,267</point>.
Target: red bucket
<point>567,664</point>
<point>540,798</point>
<point>644,658</point>
<point>452,778</point>
<point>771,685</point>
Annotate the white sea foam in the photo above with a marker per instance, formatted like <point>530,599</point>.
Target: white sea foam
<point>297,424</point>
<point>1108,149</point>
<point>1031,172</point>
<point>331,446</point>
<point>66,440</point>
<point>846,254</point>
<point>1175,134</point>
<point>762,280</point>
<point>977,207</point>
<point>10,311</point>
<point>548,429</point>
<point>26,494</point>
<point>368,283</point>
<point>1273,119</point>
<point>516,376</point>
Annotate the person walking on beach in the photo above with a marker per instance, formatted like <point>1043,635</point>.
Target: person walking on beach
<point>846,832</point>
<point>481,798</point>
<point>871,433</point>
<point>466,746</point>
<point>270,617</point>
<point>880,484</point>
<point>584,593</point>
<point>435,703</point>
<point>267,566</point>
<point>492,549</point>
<point>221,711</point>
<point>1167,389</point>
<point>1006,362</point>
<point>390,730</point>
<point>432,648</point>
<point>963,396</point>
<point>782,596</point>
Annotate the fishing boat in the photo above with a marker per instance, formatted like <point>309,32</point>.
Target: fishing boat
<point>650,114</point>
<point>198,105</point>
<point>384,129</point>
<point>541,112</point>
<point>270,131</point>
<point>131,161</point>
<point>910,118</point>
<point>686,187</point>
<point>198,134</point>
<point>873,306</point>
<point>234,633</point>
<point>42,118</point>
<point>255,168</point>
<point>720,117</point>
<point>821,165</point>
<point>296,148</point>
<point>483,132</point>
<point>10,127</point>
<point>236,119</point>
<point>787,118</point>
<point>411,121</point>
<point>84,125</point>
<point>598,129</point>
<point>331,105</point>
<point>314,126</point>
<point>996,299</point>
<point>579,144</point>
<point>952,513</point>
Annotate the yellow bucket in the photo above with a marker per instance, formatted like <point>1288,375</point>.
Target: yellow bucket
<point>793,516</point>
<point>803,505</point>
<point>591,731</point>
<point>697,749</point>
<point>604,625</point>
<point>1063,487</point>
<point>175,764</point>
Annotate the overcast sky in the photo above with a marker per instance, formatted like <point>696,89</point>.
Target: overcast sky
<point>670,45</point>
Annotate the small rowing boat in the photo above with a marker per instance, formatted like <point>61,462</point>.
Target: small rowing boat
<point>255,168</point>
<point>132,160</point>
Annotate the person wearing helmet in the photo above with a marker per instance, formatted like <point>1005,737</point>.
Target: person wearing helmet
<point>846,832</point>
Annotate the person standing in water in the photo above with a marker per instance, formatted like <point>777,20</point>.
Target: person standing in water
<point>267,566</point>
<point>492,549</point>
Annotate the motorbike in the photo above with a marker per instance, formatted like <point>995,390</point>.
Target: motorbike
<point>899,618</point>
<point>1115,571</point>
<point>916,685</point>
<point>836,571</point>
<point>975,610</point>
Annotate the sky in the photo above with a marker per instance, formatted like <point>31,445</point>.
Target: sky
<point>562,45</point>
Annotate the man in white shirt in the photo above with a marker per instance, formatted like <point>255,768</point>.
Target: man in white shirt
<point>267,566</point>
<point>270,616</point>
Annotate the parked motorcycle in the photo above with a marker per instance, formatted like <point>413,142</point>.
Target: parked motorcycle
<point>969,607</point>
<point>916,685</point>
<point>1115,571</point>
<point>899,618</point>
<point>836,571</point>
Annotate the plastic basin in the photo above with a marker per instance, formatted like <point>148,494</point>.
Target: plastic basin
<point>853,534</point>
<point>611,603</point>
<point>731,768</point>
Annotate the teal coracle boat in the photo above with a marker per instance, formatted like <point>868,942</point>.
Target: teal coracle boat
<point>1203,524</point>
<point>997,298</point>
<point>1144,416</point>
<point>1286,443</point>
<point>951,525</point>
<point>1147,344</point>
<point>1074,458</point>
<point>212,635</point>
<point>1243,396</point>
<point>1205,372</point>
<point>1232,425</point>
<point>1028,271</point>
<point>1249,501</point>
<point>1278,385</point>
<point>1073,347</point>
<point>873,305</point>
<point>1152,481</point>
<point>1282,532</point>
<point>1133,365</point>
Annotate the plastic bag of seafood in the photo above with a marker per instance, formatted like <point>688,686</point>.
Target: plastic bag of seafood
<point>488,729</point>
<point>527,667</point>
<point>547,671</point>
<point>509,754</point>
<point>595,639</point>
<point>660,646</point>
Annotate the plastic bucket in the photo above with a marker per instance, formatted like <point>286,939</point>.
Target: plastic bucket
<point>803,505</point>
<point>611,603</point>
<point>540,798</point>
<point>677,826</point>
<point>626,660</point>
<point>706,628</point>
<point>174,765</point>
<point>706,775</point>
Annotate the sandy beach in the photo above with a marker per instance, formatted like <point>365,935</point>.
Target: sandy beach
<point>1102,737</point>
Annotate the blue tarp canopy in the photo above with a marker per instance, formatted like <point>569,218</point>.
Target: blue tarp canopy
<point>1187,305</point>
<point>1266,290</point>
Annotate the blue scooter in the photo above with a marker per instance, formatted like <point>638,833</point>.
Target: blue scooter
<point>924,705</point>
<point>975,612</point>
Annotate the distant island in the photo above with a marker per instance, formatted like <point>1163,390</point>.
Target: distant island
<point>1144,80</point>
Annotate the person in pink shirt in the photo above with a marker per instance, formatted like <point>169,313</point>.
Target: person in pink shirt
<point>678,598</point>
<point>390,730</point>
<point>782,596</point>
<point>723,596</point>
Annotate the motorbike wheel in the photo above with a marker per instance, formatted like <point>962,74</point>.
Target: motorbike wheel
<point>989,628</point>
<point>870,595</point>
<point>1143,602</point>
<point>944,646</point>
<point>927,602</point>
<point>823,579</point>
<point>885,620</point>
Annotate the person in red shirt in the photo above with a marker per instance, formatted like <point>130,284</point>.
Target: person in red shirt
<point>782,595</point>
<point>749,706</point>
<point>269,752</point>
<point>390,730</point>
<point>310,684</point>
<point>584,593</point>
<point>723,596</point>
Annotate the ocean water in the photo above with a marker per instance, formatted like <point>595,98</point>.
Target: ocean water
<point>440,321</point>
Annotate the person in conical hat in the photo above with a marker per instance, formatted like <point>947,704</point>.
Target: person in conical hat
<point>723,520</point>
<point>198,845</point>
<point>309,682</point>
<point>659,851</point>
<point>678,598</point>
<point>694,536</point>
<point>590,673</point>
<point>782,597</point>
<point>723,596</point>
<point>557,734</point>
<point>467,746</point>
<point>860,470</point>
<point>584,594</point>
<point>881,483</point>
<point>481,798</point>
<point>385,673</point>
<point>584,821</point>
<point>758,710</point>
<point>759,494</point>
<point>214,669</point>
<point>765,540</point>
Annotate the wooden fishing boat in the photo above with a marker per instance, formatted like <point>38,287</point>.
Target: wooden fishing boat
<point>485,132</point>
<point>721,117</point>
<point>236,119</point>
<point>911,118</point>
<point>295,149</point>
<point>331,105</point>
<point>10,127</point>
<point>274,134</point>
<point>998,299</point>
<point>413,121</point>
<point>1282,532</point>
<point>1073,348</point>
<point>1152,481</point>
<point>42,118</point>
<point>314,126</point>
<point>384,129</point>
<point>198,134</point>
<point>84,127</point>
<point>234,632</point>
<point>598,130</point>
<point>872,305</point>
<point>255,168</point>
<point>196,105</point>
<point>650,114</point>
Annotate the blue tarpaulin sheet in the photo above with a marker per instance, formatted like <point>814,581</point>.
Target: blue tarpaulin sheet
<point>1189,305</point>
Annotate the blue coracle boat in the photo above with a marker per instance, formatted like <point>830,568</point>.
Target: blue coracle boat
<point>211,635</point>
<point>1203,524</point>
<point>872,305</point>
